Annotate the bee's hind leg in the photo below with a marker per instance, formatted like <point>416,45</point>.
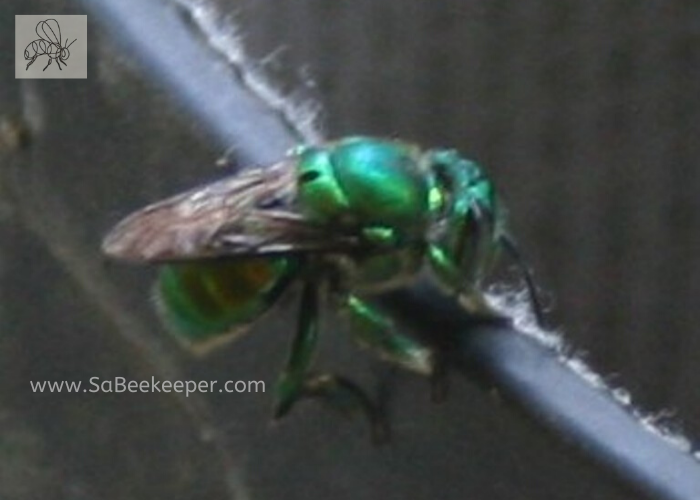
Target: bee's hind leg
<point>376,331</point>
<point>347,397</point>
<point>290,386</point>
<point>297,383</point>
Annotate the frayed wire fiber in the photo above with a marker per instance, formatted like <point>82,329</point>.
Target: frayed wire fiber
<point>513,303</point>
<point>301,116</point>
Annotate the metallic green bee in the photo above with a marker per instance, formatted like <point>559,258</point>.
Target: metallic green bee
<point>353,217</point>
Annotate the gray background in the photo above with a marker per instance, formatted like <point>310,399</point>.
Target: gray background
<point>585,114</point>
<point>72,28</point>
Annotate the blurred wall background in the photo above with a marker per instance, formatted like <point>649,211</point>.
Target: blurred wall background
<point>585,114</point>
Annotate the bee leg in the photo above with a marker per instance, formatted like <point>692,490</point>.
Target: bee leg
<point>489,233</point>
<point>296,383</point>
<point>473,300</point>
<point>290,386</point>
<point>477,229</point>
<point>376,331</point>
<point>344,395</point>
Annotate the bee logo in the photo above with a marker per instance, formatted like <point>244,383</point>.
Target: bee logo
<point>49,43</point>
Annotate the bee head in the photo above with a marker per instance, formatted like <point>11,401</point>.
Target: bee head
<point>470,221</point>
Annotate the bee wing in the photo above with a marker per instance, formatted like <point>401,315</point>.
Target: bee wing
<point>51,31</point>
<point>251,213</point>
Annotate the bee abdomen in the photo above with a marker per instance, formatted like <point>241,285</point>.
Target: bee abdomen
<point>205,303</point>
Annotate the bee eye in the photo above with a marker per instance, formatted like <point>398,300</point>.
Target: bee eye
<point>309,176</point>
<point>445,187</point>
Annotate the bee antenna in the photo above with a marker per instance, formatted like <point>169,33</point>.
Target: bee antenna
<point>513,252</point>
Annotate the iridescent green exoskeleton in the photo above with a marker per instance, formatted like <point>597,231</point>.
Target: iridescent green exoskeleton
<point>351,218</point>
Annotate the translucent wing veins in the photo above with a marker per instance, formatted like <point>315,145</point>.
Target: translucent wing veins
<point>222,218</point>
